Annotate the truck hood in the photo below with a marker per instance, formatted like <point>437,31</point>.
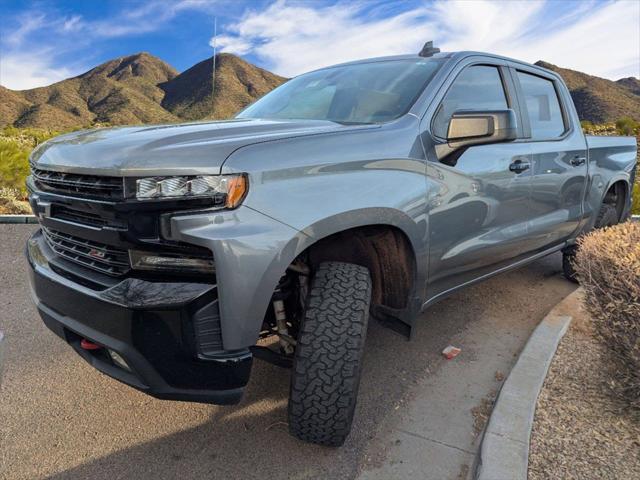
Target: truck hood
<point>185,149</point>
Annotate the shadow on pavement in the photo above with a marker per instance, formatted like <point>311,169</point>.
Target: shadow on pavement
<point>251,440</point>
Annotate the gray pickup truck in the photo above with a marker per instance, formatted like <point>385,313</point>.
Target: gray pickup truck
<point>170,256</point>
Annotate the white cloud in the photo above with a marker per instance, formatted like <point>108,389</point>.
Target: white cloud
<point>290,37</point>
<point>483,25</point>
<point>228,43</point>
<point>605,42</point>
<point>72,23</point>
<point>143,18</point>
<point>20,72</point>
<point>26,63</point>
<point>26,25</point>
<point>295,38</point>
<point>600,39</point>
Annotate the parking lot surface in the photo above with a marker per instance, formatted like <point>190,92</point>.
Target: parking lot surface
<point>59,418</point>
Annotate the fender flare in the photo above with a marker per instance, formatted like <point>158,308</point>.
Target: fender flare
<point>310,235</point>
<point>252,251</point>
<point>628,191</point>
<point>354,219</point>
<point>589,225</point>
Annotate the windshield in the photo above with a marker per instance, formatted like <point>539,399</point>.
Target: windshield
<point>358,93</point>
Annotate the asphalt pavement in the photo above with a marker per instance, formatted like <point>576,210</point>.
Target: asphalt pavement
<point>61,419</point>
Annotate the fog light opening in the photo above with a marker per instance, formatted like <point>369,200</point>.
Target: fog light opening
<point>176,263</point>
<point>118,360</point>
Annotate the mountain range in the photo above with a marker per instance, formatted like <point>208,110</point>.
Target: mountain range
<point>142,88</point>
<point>139,89</point>
<point>600,100</point>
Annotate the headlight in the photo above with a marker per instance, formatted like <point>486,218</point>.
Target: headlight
<point>232,187</point>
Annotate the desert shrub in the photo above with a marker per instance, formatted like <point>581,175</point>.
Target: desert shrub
<point>627,126</point>
<point>14,164</point>
<point>635,206</point>
<point>30,137</point>
<point>604,129</point>
<point>11,202</point>
<point>15,146</point>
<point>587,126</point>
<point>608,266</point>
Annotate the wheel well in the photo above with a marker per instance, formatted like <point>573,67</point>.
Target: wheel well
<point>383,249</point>
<point>617,196</point>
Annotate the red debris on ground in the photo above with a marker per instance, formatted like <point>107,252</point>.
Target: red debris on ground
<point>451,352</point>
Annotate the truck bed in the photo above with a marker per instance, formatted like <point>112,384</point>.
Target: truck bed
<point>614,152</point>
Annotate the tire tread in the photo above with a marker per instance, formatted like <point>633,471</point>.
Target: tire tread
<point>327,364</point>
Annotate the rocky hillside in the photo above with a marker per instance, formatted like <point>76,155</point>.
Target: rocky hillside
<point>238,83</point>
<point>599,100</point>
<point>138,89</point>
<point>631,83</point>
<point>143,89</point>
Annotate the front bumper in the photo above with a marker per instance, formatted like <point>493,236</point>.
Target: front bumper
<point>152,325</point>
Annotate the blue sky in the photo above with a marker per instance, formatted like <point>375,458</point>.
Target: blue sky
<point>45,41</point>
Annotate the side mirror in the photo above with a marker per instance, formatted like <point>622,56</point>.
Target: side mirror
<point>476,127</point>
<point>468,128</point>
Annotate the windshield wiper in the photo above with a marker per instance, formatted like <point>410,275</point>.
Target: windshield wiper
<point>341,122</point>
<point>347,122</point>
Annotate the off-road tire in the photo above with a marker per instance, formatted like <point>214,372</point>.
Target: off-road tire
<point>568,257</point>
<point>328,357</point>
<point>607,216</point>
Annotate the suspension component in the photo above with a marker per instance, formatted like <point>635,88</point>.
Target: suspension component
<point>286,342</point>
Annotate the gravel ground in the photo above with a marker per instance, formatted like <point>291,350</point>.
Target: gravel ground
<point>580,431</point>
<point>61,419</point>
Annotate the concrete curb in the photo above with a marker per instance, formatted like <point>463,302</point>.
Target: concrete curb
<point>18,219</point>
<point>635,218</point>
<point>504,453</point>
<point>2,344</point>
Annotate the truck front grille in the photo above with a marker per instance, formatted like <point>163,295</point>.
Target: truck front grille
<point>93,255</point>
<point>92,186</point>
<point>86,218</point>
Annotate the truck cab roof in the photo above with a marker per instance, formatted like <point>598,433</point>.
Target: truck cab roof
<point>450,56</point>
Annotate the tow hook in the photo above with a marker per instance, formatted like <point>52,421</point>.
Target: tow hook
<point>89,345</point>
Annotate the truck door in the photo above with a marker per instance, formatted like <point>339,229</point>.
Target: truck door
<point>559,159</point>
<point>479,202</point>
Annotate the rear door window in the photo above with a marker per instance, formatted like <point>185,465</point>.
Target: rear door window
<point>543,107</point>
<point>478,87</point>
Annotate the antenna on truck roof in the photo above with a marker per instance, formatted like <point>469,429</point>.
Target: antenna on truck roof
<point>213,73</point>
<point>428,50</point>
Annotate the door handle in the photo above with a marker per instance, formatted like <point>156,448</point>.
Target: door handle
<point>519,166</point>
<point>578,161</point>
